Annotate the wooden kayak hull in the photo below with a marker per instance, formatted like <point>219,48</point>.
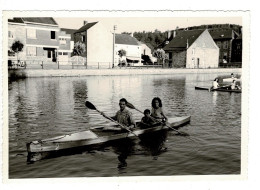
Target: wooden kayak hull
<point>87,138</point>
<point>219,89</point>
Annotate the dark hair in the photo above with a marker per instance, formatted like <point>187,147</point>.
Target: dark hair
<point>159,100</point>
<point>216,79</point>
<point>147,111</point>
<point>123,100</point>
<point>232,74</point>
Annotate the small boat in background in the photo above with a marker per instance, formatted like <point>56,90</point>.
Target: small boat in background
<point>219,89</point>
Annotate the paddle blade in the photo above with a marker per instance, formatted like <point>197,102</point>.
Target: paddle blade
<point>130,105</point>
<point>89,105</point>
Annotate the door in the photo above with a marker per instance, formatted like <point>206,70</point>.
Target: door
<point>198,62</point>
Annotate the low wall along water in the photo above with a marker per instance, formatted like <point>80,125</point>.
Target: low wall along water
<point>24,73</point>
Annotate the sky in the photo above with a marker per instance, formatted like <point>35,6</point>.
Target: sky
<point>139,24</point>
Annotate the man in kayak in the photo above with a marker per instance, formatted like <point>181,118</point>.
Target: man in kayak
<point>123,116</point>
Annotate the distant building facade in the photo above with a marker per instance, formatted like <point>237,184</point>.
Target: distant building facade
<point>224,35</point>
<point>132,47</point>
<point>192,49</point>
<point>98,41</point>
<point>40,36</point>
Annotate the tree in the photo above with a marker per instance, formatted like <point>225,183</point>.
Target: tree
<point>79,49</point>
<point>161,55</point>
<point>17,47</point>
<point>122,53</point>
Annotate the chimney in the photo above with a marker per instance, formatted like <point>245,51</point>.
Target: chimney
<point>169,34</point>
<point>85,22</point>
<point>174,33</point>
<point>132,34</point>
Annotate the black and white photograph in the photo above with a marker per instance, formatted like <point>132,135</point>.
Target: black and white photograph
<point>125,94</point>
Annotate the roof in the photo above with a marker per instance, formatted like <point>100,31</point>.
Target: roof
<point>181,39</point>
<point>41,20</point>
<point>16,20</point>
<point>69,31</point>
<point>221,34</point>
<point>239,37</point>
<point>86,27</point>
<point>125,39</point>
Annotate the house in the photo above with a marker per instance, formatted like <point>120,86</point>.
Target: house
<point>65,47</point>
<point>224,39</point>
<point>146,53</point>
<point>16,31</point>
<point>236,54</point>
<point>39,35</point>
<point>98,41</point>
<point>132,47</point>
<point>192,49</point>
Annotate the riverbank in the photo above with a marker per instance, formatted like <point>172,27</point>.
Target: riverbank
<point>30,73</point>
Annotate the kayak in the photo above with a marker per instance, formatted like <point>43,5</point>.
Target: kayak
<point>90,137</point>
<point>219,89</point>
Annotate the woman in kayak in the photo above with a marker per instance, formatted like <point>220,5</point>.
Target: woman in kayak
<point>157,111</point>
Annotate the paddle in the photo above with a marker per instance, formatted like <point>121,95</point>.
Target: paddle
<point>89,105</point>
<point>133,107</point>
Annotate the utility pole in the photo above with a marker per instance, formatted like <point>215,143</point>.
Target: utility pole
<point>113,61</point>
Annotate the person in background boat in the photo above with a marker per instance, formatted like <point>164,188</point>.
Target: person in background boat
<point>147,121</point>
<point>232,76</point>
<point>157,111</point>
<point>123,116</point>
<point>234,86</point>
<point>215,84</point>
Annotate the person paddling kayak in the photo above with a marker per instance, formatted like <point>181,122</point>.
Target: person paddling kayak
<point>157,111</point>
<point>123,116</point>
<point>215,84</point>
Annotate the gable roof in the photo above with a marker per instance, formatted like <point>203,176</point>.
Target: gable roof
<point>221,34</point>
<point>16,20</point>
<point>125,39</point>
<point>181,39</point>
<point>69,31</point>
<point>86,27</point>
<point>39,20</point>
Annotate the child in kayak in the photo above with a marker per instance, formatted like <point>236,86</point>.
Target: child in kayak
<point>147,121</point>
<point>157,111</point>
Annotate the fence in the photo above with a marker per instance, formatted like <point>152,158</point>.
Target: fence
<point>231,65</point>
<point>38,64</point>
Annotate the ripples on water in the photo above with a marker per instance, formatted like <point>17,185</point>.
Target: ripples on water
<point>46,107</point>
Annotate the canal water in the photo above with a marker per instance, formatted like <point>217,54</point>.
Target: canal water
<point>47,107</point>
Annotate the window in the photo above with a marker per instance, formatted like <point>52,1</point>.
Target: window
<point>225,45</point>
<point>219,44</point>
<point>31,51</point>
<point>65,53</point>
<point>59,53</point>
<point>83,38</point>
<point>10,34</point>
<point>31,33</point>
<point>53,35</point>
<point>62,40</point>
